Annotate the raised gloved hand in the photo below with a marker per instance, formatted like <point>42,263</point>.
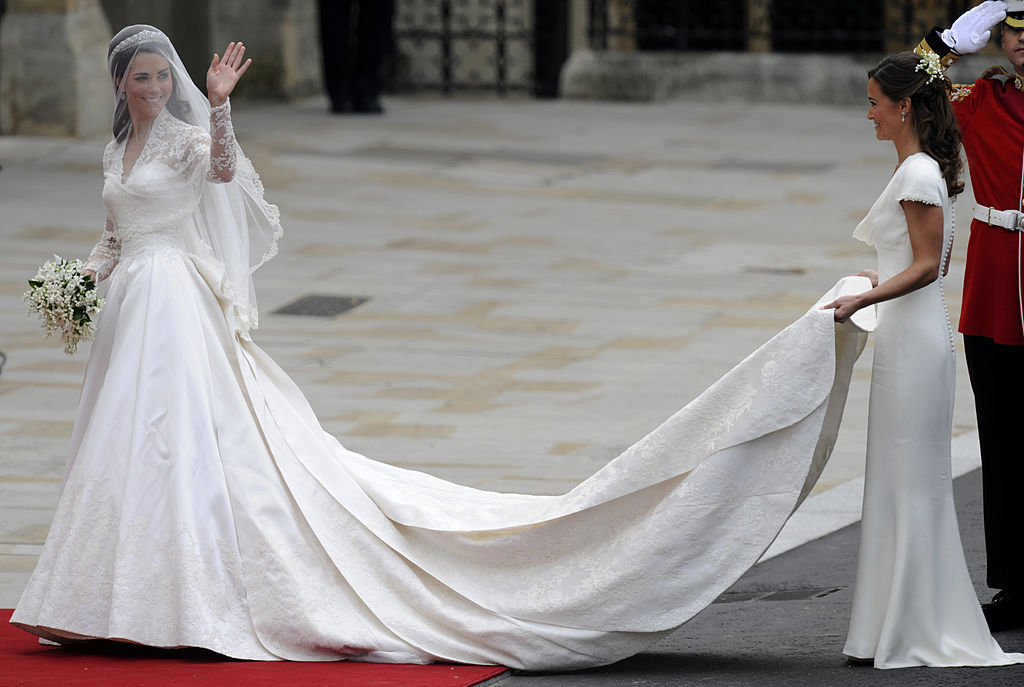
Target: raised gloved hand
<point>971,31</point>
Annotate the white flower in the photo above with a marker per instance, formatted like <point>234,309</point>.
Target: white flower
<point>65,300</point>
<point>930,63</point>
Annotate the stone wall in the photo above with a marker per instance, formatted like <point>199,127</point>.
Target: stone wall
<point>54,79</point>
<point>53,69</point>
<point>186,23</point>
<point>282,37</point>
<point>838,79</point>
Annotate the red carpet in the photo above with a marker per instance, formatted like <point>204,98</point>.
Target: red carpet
<point>23,661</point>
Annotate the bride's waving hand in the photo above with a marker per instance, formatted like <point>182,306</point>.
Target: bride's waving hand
<point>224,73</point>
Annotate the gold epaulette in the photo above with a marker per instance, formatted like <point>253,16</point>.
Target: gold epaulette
<point>995,72</point>
<point>960,92</point>
<point>923,49</point>
<point>999,74</point>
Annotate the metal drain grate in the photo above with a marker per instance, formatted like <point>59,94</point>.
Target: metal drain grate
<point>321,306</point>
<point>782,595</point>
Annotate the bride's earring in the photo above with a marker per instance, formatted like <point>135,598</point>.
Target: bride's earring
<point>123,96</point>
<point>903,115</point>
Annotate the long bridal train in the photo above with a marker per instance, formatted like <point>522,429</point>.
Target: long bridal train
<point>259,536</point>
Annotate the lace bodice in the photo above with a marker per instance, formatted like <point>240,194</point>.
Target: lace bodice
<point>148,203</point>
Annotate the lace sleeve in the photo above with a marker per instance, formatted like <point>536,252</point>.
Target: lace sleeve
<point>222,144</point>
<point>105,254</point>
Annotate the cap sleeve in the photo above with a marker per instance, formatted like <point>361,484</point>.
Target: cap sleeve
<point>921,181</point>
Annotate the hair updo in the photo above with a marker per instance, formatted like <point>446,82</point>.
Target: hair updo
<point>930,112</point>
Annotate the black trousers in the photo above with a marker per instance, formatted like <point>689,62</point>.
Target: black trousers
<point>355,37</point>
<point>997,377</point>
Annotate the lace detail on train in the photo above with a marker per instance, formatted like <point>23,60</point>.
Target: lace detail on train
<point>126,577</point>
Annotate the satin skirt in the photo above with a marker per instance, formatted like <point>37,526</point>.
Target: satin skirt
<point>203,505</point>
<point>914,603</point>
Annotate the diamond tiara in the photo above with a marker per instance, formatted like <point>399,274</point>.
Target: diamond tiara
<point>144,36</point>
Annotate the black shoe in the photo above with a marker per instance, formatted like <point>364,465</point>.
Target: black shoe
<point>368,106</point>
<point>342,107</point>
<point>854,662</point>
<point>1004,612</point>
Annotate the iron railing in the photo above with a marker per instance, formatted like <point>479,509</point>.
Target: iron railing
<point>766,25</point>
<point>464,45</point>
<point>518,46</point>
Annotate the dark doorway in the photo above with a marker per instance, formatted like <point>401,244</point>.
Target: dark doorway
<point>687,25</point>
<point>550,45</point>
<point>815,26</point>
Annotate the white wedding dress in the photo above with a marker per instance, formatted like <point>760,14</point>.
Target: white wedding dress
<point>203,505</point>
<point>914,603</point>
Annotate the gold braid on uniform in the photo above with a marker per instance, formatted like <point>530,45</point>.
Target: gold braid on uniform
<point>960,92</point>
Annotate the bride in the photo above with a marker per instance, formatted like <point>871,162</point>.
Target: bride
<point>203,505</point>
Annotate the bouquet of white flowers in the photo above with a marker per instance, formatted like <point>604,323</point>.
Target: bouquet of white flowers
<point>65,300</point>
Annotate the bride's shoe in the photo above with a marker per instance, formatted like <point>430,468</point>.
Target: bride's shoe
<point>855,662</point>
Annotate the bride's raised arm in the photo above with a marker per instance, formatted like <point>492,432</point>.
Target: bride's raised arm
<point>221,79</point>
<point>222,144</point>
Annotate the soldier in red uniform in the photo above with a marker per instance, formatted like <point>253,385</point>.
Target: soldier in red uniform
<point>991,116</point>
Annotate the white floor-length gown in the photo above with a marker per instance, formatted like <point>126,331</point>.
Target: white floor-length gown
<point>203,505</point>
<point>914,603</point>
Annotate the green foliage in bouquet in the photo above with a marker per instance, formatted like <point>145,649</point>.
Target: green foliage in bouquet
<point>65,300</point>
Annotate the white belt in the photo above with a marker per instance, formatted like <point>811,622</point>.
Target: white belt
<point>1007,219</point>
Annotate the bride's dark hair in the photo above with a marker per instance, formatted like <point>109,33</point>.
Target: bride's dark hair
<point>118,63</point>
<point>899,77</point>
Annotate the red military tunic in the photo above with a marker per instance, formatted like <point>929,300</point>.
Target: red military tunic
<point>991,116</point>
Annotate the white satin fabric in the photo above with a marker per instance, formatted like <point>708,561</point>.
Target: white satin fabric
<point>203,505</point>
<point>914,603</point>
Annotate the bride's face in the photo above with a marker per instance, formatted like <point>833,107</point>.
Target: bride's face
<point>147,85</point>
<point>884,112</point>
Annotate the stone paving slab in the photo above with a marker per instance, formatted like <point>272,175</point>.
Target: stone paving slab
<point>547,280</point>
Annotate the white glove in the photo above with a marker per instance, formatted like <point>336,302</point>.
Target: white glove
<point>970,33</point>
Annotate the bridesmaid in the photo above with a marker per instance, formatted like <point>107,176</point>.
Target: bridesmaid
<point>913,602</point>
